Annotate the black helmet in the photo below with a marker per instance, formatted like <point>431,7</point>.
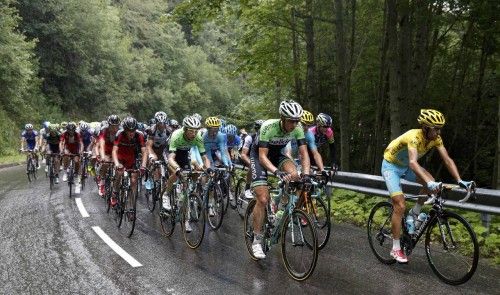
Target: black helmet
<point>113,120</point>
<point>71,126</point>
<point>129,123</point>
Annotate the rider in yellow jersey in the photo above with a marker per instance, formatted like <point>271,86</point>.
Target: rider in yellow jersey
<point>401,161</point>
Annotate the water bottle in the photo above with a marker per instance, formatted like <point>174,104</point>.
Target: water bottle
<point>410,226</point>
<point>178,189</point>
<point>279,215</point>
<point>420,219</point>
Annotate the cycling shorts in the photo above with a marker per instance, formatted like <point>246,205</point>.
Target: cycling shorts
<point>393,174</point>
<point>259,173</point>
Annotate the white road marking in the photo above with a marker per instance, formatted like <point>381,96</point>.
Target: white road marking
<point>116,247</point>
<point>82,209</point>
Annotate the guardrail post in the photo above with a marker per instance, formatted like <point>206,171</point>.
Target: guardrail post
<point>486,219</point>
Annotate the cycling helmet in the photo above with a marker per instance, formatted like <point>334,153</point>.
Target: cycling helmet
<point>212,122</point>
<point>71,126</point>
<point>174,123</point>
<point>129,123</point>
<point>113,120</point>
<point>84,126</point>
<point>223,129</point>
<point>431,118</point>
<point>140,126</point>
<point>191,122</point>
<point>197,116</point>
<point>291,110</point>
<point>307,118</point>
<point>257,124</point>
<point>324,120</point>
<point>53,128</point>
<point>80,123</point>
<point>28,127</point>
<point>46,124</point>
<point>231,129</point>
<point>161,117</point>
<point>64,124</point>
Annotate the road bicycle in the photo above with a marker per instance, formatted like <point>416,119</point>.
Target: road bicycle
<point>85,164</point>
<point>126,203</point>
<point>154,194</point>
<point>185,205</point>
<point>294,230</point>
<point>450,243</point>
<point>31,164</point>
<point>71,171</point>
<point>51,168</point>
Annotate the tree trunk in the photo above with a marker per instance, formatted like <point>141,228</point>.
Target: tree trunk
<point>404,58</point>
<point>394,96</point>
<point>375,156</point>
<point>311,66</point>
<point>342,83</point>
<point>478,95</point>
<point>296,59</point>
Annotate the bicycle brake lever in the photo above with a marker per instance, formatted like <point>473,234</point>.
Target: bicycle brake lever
<point>470,192</point>
<point>430,200</point>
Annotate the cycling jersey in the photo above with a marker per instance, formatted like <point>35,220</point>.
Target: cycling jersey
<point>233,141</point>
<point>30,138</point>
<point>71,141</point>
<point>294,148</point>
<point>43,132</point>
<point>397,151</point>
<point>53,139</point>
<point>273,137</point>
<point>319,138</point>
<point>86,138</point>
<point>216,143</point>
<point>160,138</point>
<point>109,139</point>
<point>181,147</point>
<point>128,147</point>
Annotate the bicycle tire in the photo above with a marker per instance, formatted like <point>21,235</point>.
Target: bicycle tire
<point>194,213</point>
<point>119,207</point>
<point>303,237</point>
<point>130,216</point>
<point>320,217</point>
<point>215,221</point>
<point>108,191</point>
<point>168,217</point>
<point>225,191</point>
<point>240,197</point>
<point>51,175</point>
<point>380,233</point>
<point>248,231</point>
<point>152,196</point>
<point>70,181</point>
<point>462,240</point>
<point>28,168</point>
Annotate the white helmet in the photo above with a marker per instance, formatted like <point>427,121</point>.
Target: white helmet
<point>291,109</point>
<point>197,116</point>
<point>161,117</point>
<point>84,126</point>
<point>28,126</point>
<point>231,129</point>
<point>191,122</point>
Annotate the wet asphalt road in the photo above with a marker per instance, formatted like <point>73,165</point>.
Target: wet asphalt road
<point>47,247</point>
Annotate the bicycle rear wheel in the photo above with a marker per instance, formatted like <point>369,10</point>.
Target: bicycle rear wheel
<point>299,245</point>
<point>28,168</point>
<point>215,208</point>
<point>119,207</point>
<point>130,214</point>
<point>152,195</point>
<point>71,181</point>
<point>451,247</point>
<point>108,192</point>
<point>167,217</point>
<point>380,232</point>
<point>193,214</point>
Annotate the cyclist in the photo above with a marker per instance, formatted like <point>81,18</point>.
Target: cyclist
<point>52,139</point>
<point>323,133</point>
<point>291,149</point>
<point>174,125</point>
<point>250,143</point>
<point>233,141</point>
<point>127,142</point>
<point>29,140</point>
<point>214,141</point>
<point>41,142</point>
<point>274,135</point>
<point>157,144</point>
<point>105,146</point>
<point>179,154</point>
<point>401,161</point>
<point>71,143</point>
<point>62,126</point>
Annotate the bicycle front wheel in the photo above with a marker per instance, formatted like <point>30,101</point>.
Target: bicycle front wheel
<point>380,232</point>
<point>451,248</point>
<point>320,216</point>
<point>130,214</point>
<point>193,221</point>
<point>299,245</point>
<point>215,207</point>
<point>167,217</point>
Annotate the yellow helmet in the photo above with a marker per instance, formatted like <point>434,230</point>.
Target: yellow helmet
<point>212,122</point>
<point>431,118</point>
<point>307,118</point>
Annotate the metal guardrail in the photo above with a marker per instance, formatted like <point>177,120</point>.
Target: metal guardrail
<point>485,201</point>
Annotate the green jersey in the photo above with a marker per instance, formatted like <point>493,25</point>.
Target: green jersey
<point>178,143</point>
<point>273,137</point>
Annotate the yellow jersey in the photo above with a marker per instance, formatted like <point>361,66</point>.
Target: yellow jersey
<point>397,151</point>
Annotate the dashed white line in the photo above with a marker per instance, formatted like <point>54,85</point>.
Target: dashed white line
<point>82,209</point>
<point>127,257</point>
